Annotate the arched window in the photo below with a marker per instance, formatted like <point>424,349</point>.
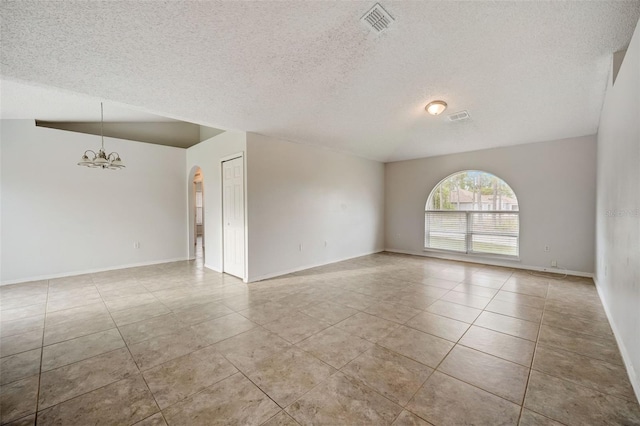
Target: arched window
<point>472,212</point>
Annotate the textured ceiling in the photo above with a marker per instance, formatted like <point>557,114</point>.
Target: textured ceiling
<point>311,72</point>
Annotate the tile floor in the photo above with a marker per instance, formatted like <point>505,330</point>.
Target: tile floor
<point>379,340</point>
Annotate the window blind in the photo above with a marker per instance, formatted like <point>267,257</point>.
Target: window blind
<point>446,230</point>
<point>473,232</point>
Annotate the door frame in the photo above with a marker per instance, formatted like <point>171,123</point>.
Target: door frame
<point>244,190</point>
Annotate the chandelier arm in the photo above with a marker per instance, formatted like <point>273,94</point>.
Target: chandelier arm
<point>91,151</point>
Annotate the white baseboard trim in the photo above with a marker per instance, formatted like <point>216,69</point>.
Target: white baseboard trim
<point>302,268</point>
<point>626,357</point>
<point>90,271</point>
<point>492,262</point>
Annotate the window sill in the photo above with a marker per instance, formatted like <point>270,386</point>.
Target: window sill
<point>474,255</point>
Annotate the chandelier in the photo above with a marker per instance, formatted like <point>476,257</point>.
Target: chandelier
<point>101,159</point>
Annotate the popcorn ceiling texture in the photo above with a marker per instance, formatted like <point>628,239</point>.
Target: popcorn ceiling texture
<point>311,72</point>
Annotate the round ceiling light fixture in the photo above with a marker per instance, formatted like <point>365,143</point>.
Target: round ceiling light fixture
<point>436,107</point>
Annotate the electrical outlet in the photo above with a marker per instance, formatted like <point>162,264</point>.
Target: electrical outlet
<point>325,243</point>
<point>554,263</point>
<point>546,248</point>
<point>300,247</point>
<point>136,244</point>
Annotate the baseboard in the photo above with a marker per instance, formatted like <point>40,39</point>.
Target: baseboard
<point>497,262</point>
<point>90,271</point>
<point>302,268</point>
<point>626,358</point>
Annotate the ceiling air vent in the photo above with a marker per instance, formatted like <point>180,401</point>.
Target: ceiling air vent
<point>459,116</point>
<point>377,18</point>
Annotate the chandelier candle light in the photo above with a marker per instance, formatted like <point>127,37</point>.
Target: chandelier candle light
<point>101,159</point>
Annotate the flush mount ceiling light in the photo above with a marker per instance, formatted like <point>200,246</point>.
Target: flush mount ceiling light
<point>436,107</point>
<point>101,159</point>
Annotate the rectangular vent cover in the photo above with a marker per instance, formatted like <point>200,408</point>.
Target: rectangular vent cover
<point>459,116</point>
<point>377,18</point>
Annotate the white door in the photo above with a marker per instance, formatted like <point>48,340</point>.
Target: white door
<point>233,216</point>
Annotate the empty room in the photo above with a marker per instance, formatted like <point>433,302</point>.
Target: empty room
<point>319,213</point>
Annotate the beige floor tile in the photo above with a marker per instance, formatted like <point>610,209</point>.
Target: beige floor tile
<point>201,313</point>
<point>153,327</point>
<point>475,290</point>
<point>485,281</point>
<point>70,351</point>
<point>288,375</point>
<point>17,343</point>
<point>422,347</point>
<point>577,405</point>
<point>21,302</point>
<point>594,328</point>
<point>21,326</point>
<point>126,302</point>
<point>79,313</point>
<point>521,299</point>
<point>343,400</point>
<point>19,366</point>
<point>594,347</point>
<point>394,376</point>
<point>25,421</point>
<point>124,402</point>
<point>84,376</point>
<point>24,312</point>
<point>355,300</point>
<point>409,419</point>
<point>515,310</point>
<point>439,326</point>
<point>498,344</point>
<point>508,325</point>
<point>139,313</point>
<point>503,378</point>
<point>24,290</point>
<point>529,418</point>
<point>266,312</point>
<point>72,300</point>
<point>218,329</point>
<point>296,326</point>
<point>602,376</point>
<point>158,350</point>
<point>177,379</point>
<point>281,419</point>
<point>530,288</point>
<point>445,282</point>
<point>577,309</point>
<point>18,399</point>
<point>154,420</point>
<point>447,401</point>
<point>77,328</point>
<point>329,312</point>
<point>248,348</point>
<point>367,326</point>
<point>454,311</point>
<point>392,312</point>
<point>466,299</point>
<point>335,346</point>
<point>234,400</point>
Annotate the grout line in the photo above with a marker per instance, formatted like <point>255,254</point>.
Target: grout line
<point>44,324</point>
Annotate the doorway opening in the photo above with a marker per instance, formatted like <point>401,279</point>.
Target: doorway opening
<point>196,217</point>
<point>233,217</point>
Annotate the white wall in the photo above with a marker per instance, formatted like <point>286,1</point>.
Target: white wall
<point>554,182</point>
<point>300,194</point>
<point>618,208</point>
<point>62,219</point>
<point>207,156</point>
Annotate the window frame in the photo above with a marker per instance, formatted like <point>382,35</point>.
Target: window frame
<point>469,233</point>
